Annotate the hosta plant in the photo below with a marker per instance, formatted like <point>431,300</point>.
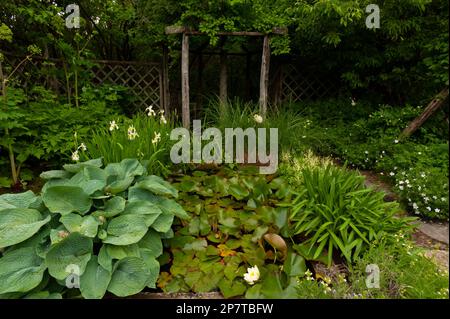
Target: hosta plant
<point>93,228</point>
<point>336,212</point>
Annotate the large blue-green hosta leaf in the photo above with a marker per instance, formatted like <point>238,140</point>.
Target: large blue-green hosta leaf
<point>74,251</point>
<point>95,280</point>
<point>22,200</point>
<point>151,243</point>
<point>66,199</point>
<point>86,226</point>
<point>20,270</point>
<point>130,276</point>
<point>19,224</point>
<point>126,229</point>
<point>157,185</point>
<point>75,168</point>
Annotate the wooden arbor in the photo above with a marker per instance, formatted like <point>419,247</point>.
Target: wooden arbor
<point>265,65</point>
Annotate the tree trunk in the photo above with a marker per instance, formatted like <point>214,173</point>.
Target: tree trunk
<point>185,81</point>
<point>434,105</point>
<point>264,79</point>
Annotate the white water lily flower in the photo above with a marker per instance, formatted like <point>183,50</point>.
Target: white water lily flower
<point>252,275</point>
<point>258,118</point>
<point>132,133</point>
<point>113,126</point>
<point>75,156</point>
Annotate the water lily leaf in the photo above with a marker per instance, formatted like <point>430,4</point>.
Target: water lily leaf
<point>20,270</point>
<point>75,249</point>
<point>231,288</point>
<point>129,277</point>
<point>95,280</point>
<point>259,232</point>
<point>294,265</point>
<point>66,200</point>
<point>199,244</point>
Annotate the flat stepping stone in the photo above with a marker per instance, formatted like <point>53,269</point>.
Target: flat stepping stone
<point>439,257</point>
<point>436,231</point>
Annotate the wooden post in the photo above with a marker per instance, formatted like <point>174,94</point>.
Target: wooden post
<point>432,107</point>
<point>264,78</point>
<point>200,81</point>
<point>185,81</point>
<point>165,81</point>
<point>223,78</point>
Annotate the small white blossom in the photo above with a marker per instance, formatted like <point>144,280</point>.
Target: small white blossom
<point>258,118</point>
<point>437,210</point>
<point>75,156</point>
<point>395,141</point>
<point>428,208</point>
<point>132,133</point>
<point>392,173</point>
<point>150,111</point>
<point>113,126</point>
<point>415,206</point>
<point>156,138</point>
<point>353,101</point>
<point>252,275</point>
<point>400,187</point>
<point>82,147</point>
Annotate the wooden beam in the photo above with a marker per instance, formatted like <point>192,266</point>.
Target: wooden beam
<point>223,86</point>
<point>264,78</point>
<point>185,112</point>
<point>185,30</point>
<point>432,107</point>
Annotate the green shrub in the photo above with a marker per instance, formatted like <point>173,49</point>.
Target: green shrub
<point>336,212</point>
<point>103,226</point>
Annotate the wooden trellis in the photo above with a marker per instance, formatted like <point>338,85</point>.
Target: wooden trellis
<point>143,79</point>
<point>299,86</point>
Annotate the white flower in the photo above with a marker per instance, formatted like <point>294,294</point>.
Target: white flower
<point>400,187</point>
<point>420,153</point>
<point>407,181</point>
<point>132,134</point>
<point>395,141</point>
<point>437,210</point>
<point>400,182</point>
<point>383,152</point>
<point>150,111</point>
<point>252,275</point>
<point>434,197</point>
<point>392,173</point>
<point>366,152</point>
<point>353,101</point>
<point>163,119</point>
<point>426,199</point>
<point>443,199</point>
<point>428,208</point>
<point>419,188</point>
<point>422,175</point>
<point>258,118</point>
<point>381,173</point>
<point>113,126</point>
<point>75,156</point>
<point>82,147</point>
<point>415,206</point>
<point>157,138</point>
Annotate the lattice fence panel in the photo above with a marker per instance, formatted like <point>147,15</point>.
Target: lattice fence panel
<point>143,79</point>
<point>304,85</point>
